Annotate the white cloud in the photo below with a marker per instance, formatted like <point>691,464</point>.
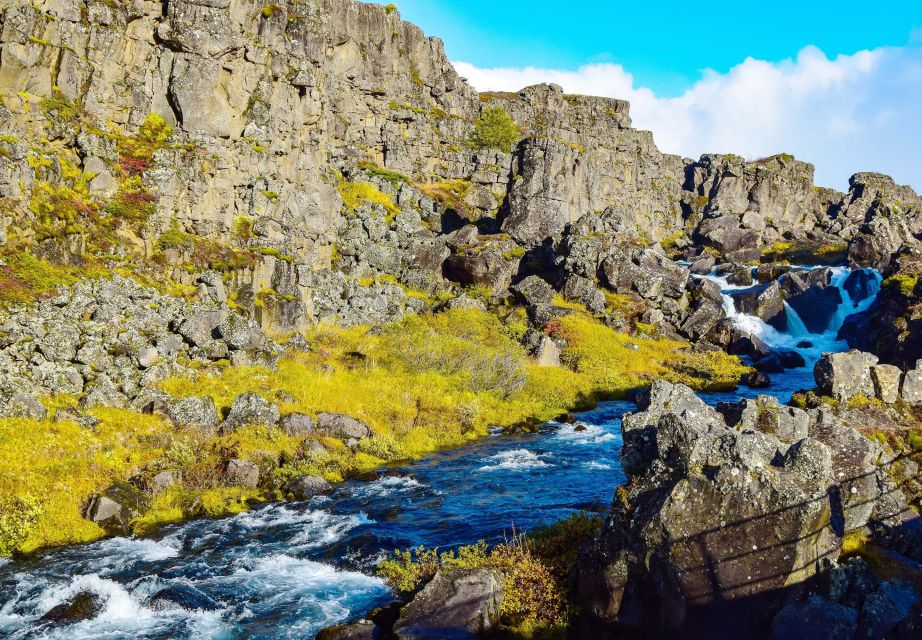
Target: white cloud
<point>859,112</point>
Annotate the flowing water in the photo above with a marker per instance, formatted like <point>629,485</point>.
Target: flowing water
<point>288,570</point>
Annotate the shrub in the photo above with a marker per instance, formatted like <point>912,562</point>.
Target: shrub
<point>494,129</point>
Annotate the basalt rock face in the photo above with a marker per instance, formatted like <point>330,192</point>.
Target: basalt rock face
<point>725,516</point>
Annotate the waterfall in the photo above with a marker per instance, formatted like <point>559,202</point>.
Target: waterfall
<point>797,333</point>
<point>796,326</point>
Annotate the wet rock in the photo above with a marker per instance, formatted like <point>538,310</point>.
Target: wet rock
<point>886,608</point>
<point>756,380</point>
<point>815,619</point>
<point>845,375</point>
<point>114,508</point>
<point>763,301</point>
<point>791,359</point>
<point>181,596</point>
<point>250,409</point>
<point>338,425</point>
<point>770,364</point>
<point>816,304</point>
<point>196,412</point>
<point>297,425</point>
<point>459,603</point>
<point>242,473</point>
<point>740,276</point>
<point>749,345</point>
<point>86,605</point>
<point>860,285</point>
<point>886,380</point>
<point>703,265</point>
<point>306,487</point>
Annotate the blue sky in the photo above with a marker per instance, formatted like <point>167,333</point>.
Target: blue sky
<point>838,84</point>
<point>664,44</point>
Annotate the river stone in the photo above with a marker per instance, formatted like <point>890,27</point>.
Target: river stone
<point>242,473</point>
<point>251,409</point>
<point>86,605</point>
<point>763,301</point>
<point>814,619</point>
<point>306,487</point>
<point>114,508</point>
<point>297,425</point>
<point>181,596</point>
<point>845,375</point>
<point>198,412</point>
<point>338,425</point>
<point>911,389</point>
<point>886,380</point>
<point>457,603</point>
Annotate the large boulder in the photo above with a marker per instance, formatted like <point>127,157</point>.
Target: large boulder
<point>85,605</point>
<point>116,507</point>
<point>812,297</point>
<point>845,375</point>
<point>457,603</point>
<point>533,291</point>
<point>338,425</point>
<point>763,301</point>
<point>251,409</point>
<point>198,412</point>
<point>297,424</point>
<point>722,521</point>
<point>886,380</point>
<point>306,487</point>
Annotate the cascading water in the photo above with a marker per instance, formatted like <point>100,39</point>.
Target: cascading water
<point>797,335</point>
<point>288,570</point>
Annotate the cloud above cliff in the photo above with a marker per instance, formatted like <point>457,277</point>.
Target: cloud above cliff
<point>860,112</point>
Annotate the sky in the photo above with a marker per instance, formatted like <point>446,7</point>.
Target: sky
<point>838,84</point>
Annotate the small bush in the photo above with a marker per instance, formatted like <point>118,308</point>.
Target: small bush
<point>494,129</point>
<point>356,193</point>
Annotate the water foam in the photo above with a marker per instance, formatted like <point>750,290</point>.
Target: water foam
<point>515,460</point>
<point>797,332</point>
<point>584,434</point>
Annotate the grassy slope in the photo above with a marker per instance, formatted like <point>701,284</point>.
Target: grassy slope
<point>423,383</point>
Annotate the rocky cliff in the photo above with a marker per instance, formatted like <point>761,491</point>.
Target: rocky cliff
<point>317,145</point>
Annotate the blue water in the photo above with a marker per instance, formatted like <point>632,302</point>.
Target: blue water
<point>288,570</point>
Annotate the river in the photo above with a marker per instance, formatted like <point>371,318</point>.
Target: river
<point>287,570</point>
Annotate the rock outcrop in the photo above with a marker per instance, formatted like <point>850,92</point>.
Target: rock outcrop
<point>725,515</point>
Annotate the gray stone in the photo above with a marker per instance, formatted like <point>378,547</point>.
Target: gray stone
<point>306,487</point>
<point>533,291</point>
<point>911,389</point>
<point>22,405</point>
<point>297,424</point>
<point>196,412</point>
<point>338,425</point>
<point>845,375</point>
<point>886,380</point>
<point>815,619</point>
<point>240,333</point>
<point>114,508</point>
<point>148,357</point>
<point>163,481</point>
<point>251,409</point>
<point>242,473</point>
<point>457,603</point>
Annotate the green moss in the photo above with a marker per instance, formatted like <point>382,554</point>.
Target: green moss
<point>394,177</point>
<point>903,283</point>
<point>494,129</point>
<point>357,193</point>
